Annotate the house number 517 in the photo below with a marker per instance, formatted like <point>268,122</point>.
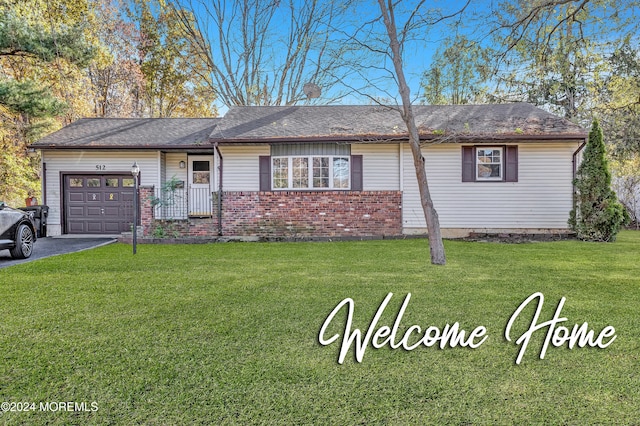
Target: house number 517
<point>101,167</point>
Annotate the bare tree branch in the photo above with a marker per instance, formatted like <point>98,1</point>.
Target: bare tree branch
<point>538,12</point>
<point>262,53</point>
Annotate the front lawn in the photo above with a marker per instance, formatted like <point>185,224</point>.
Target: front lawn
<point>228,334</point>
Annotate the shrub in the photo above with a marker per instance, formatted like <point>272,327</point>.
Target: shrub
<point>597,214</point>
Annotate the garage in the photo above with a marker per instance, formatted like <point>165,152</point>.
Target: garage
<point>98,203</point>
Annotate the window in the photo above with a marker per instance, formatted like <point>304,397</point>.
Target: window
<point>310,166</point>
<point>201,172</point>
<point>321,172</point>
<point>341,172</point>
<point>280,173</point>
<point>490,163</point>
<point>310,172</point>
<point>300,173</point>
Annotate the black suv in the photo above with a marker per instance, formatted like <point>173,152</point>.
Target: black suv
<point>17,231</point>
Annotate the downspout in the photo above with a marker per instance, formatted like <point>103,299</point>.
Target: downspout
<point>575,170</point>
<point>219,190</point>
<point>44,182</point>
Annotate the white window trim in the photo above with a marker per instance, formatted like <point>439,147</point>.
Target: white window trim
<point>502,164</point>
<point>310,186</point>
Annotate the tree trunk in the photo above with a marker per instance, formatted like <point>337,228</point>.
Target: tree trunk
<point>436,247</point>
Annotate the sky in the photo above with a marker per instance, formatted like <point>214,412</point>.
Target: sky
<point>370,79</point>
<point>418,51</point>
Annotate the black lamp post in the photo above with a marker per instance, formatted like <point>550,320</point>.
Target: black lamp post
<point>135,171</point>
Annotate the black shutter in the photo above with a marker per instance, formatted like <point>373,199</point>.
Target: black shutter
<point>468,164</point>
<point>265,173</point>
<point>356,172</point>
<point>511,164</point>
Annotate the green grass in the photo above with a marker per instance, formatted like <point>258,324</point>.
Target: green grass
<point>228,334</point>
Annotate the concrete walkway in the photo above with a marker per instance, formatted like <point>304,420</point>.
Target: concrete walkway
<point>52,246</point>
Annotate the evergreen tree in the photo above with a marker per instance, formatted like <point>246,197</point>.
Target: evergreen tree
<point>19,39</point>
<point>29,103</point>
<point>597,214</point>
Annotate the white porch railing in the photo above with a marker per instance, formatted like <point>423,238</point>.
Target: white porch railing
<point>182,203</point>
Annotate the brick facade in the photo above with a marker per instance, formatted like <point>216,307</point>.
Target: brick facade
<point>145,194</point>
<point>292,214</point>
<point>322,214</point>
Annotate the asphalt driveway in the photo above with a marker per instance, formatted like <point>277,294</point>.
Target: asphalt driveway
<point>51,246</point>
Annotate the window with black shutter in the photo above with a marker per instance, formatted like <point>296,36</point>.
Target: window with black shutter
<point>483,163</point>
<point>296,167</point>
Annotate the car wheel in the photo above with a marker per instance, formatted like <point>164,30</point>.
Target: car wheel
<point>24,243</point>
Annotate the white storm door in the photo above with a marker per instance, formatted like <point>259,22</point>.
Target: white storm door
<point>200,184</point>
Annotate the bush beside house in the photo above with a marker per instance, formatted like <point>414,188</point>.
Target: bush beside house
<point>597,214</point>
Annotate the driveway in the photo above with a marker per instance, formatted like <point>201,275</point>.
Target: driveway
<point>51,246</point>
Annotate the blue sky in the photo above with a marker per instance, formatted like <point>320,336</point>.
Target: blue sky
<point>418,51</point>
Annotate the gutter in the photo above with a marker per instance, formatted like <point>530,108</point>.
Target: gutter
<point>575,170</point>
<point>215,145</point>
<point>400,138</point>
<point>338,138</point>
<point>167,148</point>
<point>575,158</point>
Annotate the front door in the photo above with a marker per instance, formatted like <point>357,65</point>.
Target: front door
<point>200,185</point>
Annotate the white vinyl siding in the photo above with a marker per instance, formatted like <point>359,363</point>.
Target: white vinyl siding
<point>163,167</point>
<point>310,149</point>
<point>241,167</point>
<point>172,167</point>
<point>380,166</point>
<point>100,162</point>
<point>542,197</point>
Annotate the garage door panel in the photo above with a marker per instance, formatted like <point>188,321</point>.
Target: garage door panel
<point>112,197</point>
<point>98,204</point>
<point>110,211</point>
<point>94,197</point>
<point>94,227</point>
<point>75,227</point>
<point>94,211</point>
<point>113,227</point>
<point>76,196</point>
<point>76,211</point>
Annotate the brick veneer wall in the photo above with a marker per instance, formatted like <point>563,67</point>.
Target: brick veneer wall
<point>323,214</point>
<point>192,227</point>
<point>290,214</point>
<point>145,194</point>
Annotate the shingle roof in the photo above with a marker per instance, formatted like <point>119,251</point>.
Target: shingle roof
<point>266,124</point>
<point>371,123</point>
<point>131,133</point>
